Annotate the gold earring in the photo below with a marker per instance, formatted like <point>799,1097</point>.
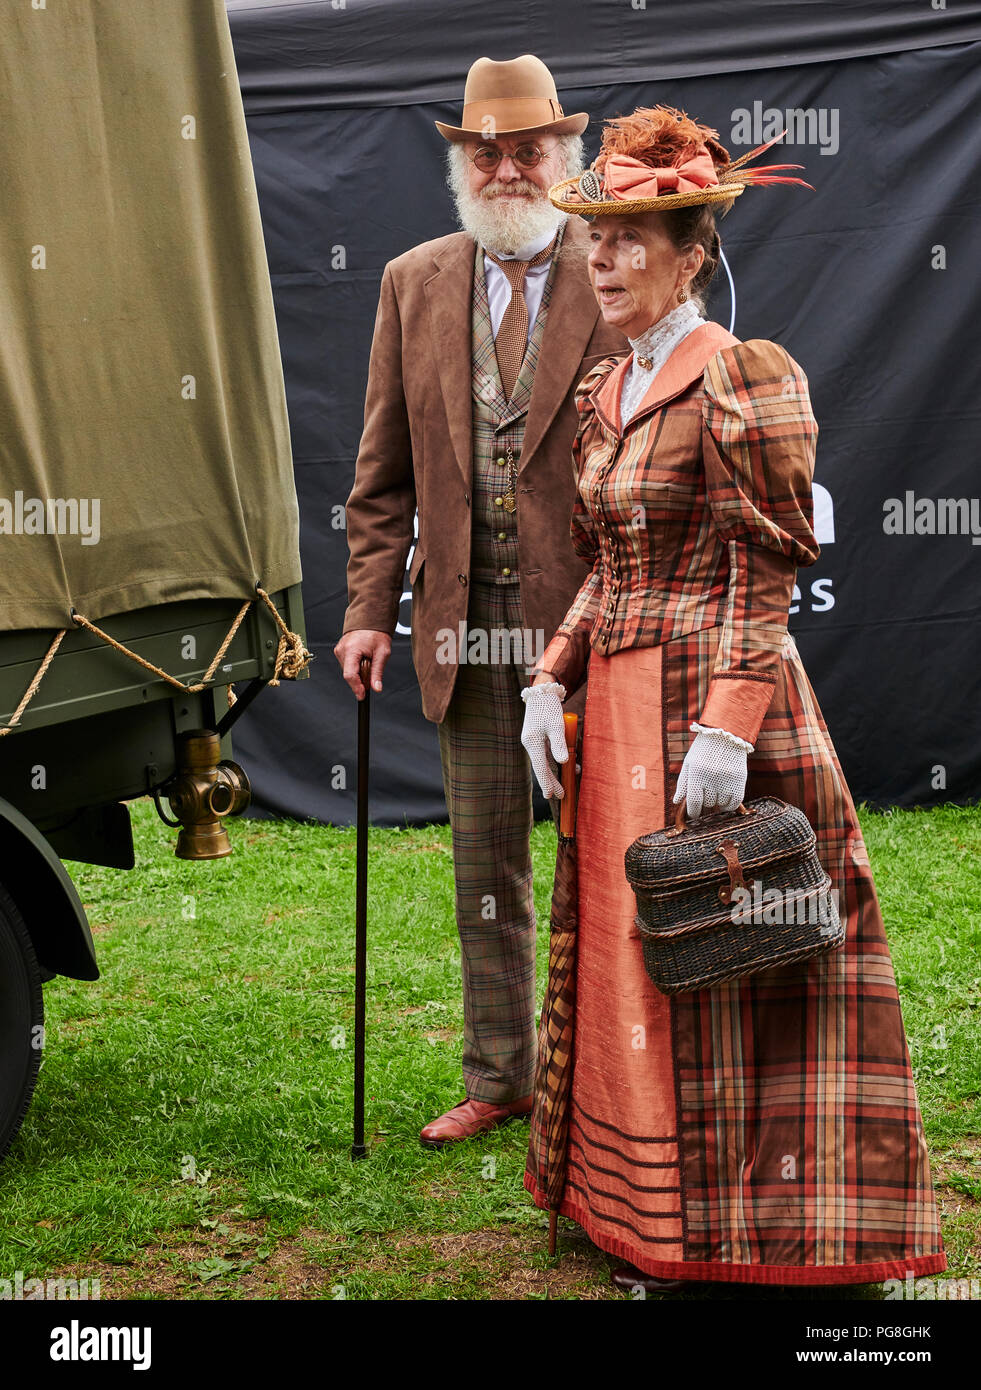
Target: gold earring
<point>682,296</point>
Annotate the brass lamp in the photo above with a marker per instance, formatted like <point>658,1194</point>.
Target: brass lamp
<point>201,791</point>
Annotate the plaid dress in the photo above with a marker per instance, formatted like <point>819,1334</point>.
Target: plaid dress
<point>767,1130</point>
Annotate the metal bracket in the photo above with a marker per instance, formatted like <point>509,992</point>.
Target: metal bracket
<point>240,705</point>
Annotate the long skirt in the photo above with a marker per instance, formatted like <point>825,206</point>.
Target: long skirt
<point>765,1131</point>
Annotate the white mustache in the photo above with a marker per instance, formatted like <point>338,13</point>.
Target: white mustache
<point>496,190</point>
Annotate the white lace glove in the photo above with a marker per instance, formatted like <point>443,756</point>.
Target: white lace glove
<point>713,774</point>
<point>543,729</point>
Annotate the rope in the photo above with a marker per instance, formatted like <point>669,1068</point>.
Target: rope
<point>157,671</point>
<point>291,655</point>
<point>32,688</point>
<point>291,658</point>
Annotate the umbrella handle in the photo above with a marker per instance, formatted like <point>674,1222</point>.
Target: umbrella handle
<point>567,776</point>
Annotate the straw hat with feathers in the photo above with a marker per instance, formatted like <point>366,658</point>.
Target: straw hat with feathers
<point>659,157</point>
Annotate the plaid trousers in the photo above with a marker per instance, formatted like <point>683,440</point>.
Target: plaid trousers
<point>487,779</point>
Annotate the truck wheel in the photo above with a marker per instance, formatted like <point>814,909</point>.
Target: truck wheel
<point>21,1020</point>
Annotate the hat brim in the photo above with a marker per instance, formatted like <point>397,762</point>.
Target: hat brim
<point>566,125</point>
<point>561,196</point>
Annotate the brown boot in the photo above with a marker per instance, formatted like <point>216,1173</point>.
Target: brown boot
<point>627,1278</point>
<point>472,1117</point>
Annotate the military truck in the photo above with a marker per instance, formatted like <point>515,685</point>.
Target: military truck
<point>148,520</point>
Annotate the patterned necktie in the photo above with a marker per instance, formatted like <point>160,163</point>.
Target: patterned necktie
<point>511,342</point>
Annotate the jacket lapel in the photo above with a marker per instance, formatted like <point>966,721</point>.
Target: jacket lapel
<point>449,293</point>
<point>606,396</point>
<point>485,383</point>
<point>572,316</point>
<point>685,365</point>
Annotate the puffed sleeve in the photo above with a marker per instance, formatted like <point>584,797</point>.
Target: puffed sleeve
<point>567,653</point>
<point>758,443</point>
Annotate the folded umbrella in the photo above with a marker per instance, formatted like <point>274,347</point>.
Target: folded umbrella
<point>553,1083</point>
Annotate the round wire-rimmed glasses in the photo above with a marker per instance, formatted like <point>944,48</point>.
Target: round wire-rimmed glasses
<point>526,156</point>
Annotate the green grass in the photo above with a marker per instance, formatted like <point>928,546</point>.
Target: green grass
<point>190,1134</point>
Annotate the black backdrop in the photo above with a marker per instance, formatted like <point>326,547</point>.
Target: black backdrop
<point>872,283</point>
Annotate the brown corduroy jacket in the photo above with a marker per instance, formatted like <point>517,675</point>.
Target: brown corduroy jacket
<point>416,453</point>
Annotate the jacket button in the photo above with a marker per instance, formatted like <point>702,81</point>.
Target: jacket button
<point>505,572</point>
<point>501,463</point>
<point>498,501</point>
<point>462,578</point>
<point>502,535</point>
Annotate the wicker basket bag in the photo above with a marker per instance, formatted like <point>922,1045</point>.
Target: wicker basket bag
<point>730,894</point>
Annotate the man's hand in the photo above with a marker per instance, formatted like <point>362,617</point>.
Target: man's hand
<point>353,647</point>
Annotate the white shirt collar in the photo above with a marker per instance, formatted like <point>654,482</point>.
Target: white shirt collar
<point>525,253</point>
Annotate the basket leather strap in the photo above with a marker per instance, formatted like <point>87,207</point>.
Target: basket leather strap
<point>729,849</point>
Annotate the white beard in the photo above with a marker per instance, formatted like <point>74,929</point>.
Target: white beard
<point>502,223</point>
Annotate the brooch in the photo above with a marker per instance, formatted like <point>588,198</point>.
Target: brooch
<point>590,187</point>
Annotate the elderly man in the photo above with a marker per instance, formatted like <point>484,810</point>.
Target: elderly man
<point>480,339</point>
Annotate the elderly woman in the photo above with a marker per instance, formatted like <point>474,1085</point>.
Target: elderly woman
<point>767,1130</point>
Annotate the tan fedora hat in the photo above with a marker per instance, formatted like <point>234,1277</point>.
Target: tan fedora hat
<point>512,98</point>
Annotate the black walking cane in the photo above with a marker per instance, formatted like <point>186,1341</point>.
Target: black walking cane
<point>359,1149</point>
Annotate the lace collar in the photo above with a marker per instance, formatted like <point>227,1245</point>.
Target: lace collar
<point>655,345</point>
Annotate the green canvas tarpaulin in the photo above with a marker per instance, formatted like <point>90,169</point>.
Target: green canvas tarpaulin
<point>144,443</point>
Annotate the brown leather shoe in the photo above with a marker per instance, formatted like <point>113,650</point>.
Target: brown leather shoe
<point>472,1117</point>
<point>627,1278</point>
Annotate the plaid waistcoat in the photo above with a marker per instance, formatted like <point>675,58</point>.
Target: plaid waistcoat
<point>497,421</point>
